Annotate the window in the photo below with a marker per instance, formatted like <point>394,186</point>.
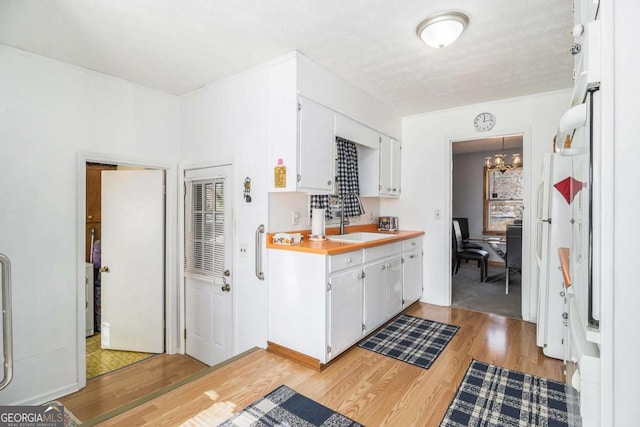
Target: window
<point>502,199</point>
<point>204,240</point>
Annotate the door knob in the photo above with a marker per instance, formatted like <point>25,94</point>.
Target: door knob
<point>104,269</point>
<point>226,288</point>
<point>227,273</point>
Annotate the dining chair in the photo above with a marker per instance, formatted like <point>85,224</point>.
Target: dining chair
<point>464,231</point>
<point>513,258</point>
<point>479,255</point>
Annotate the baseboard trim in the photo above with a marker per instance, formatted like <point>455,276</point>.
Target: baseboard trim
<point>296,356</point>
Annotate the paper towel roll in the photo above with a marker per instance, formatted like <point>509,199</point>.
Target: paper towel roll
<point>317,222</point>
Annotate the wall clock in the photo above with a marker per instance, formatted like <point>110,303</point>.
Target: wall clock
<point>484,122</point>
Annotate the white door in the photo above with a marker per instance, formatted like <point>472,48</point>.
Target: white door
<point>317,147</point>
<point>132,278</point>
<point>208,260</point>
<point>345,310</point>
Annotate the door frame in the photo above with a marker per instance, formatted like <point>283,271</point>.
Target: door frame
<point>528,273</point>
<point>170,257</point>
<point>181,312</point>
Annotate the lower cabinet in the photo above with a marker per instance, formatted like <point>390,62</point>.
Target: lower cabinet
<point>320,305</point>
<point>412,273</point>
<point>345,310</point>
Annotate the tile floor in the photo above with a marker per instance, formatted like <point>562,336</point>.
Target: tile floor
<point>101,361</point>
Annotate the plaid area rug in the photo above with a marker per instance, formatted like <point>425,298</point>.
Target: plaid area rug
<point>286,407</point>
<point>493,396</point>
<point>412,340</point>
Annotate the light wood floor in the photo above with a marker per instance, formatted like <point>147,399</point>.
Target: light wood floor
<point>113,390</point>
<point>372,389</point>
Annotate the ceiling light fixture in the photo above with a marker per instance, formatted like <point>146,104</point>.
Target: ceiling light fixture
<point>442,29</point>
<point>499,162</point>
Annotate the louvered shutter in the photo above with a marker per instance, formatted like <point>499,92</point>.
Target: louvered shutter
<point>204,239</point>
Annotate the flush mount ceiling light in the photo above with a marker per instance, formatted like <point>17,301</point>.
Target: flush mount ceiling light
<point>442,29</point>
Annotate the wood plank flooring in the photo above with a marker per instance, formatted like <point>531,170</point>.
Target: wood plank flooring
<point>370,388</point>
<point>108,392</point>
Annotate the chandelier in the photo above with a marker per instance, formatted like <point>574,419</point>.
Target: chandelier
<point>500,163</point>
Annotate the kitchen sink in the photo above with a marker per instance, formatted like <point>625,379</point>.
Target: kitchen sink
<point>359,237</point>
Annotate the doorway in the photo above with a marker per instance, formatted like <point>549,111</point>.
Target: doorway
<point>101,356</point>
<point>482,213</point>
<point>208,282</point>
<point>165,255</point>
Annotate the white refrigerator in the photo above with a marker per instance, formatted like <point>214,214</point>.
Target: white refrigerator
<point>553,230</point>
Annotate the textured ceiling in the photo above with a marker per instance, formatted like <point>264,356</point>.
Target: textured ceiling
<point>511,47</point>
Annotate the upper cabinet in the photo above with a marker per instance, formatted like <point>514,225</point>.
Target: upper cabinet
<point>389,181</point>
<point>316,147</point>
<point>308,108</point>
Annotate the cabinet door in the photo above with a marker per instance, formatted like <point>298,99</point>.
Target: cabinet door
<point>316,147</point>
<point>374,295</point>
<point>393,286</point>
<point>412,276</point>
<point>345,310</point>
<point>389,166</point>
<point>395,167</point>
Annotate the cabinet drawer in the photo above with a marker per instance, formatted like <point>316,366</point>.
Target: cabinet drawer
<point>348,259</point>
<point>382,251</point>
<point>409,244</point>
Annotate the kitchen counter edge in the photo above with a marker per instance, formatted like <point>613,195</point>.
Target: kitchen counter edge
<point>332,247</point>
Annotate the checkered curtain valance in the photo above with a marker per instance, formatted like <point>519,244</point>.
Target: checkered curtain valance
<point>347,181</point>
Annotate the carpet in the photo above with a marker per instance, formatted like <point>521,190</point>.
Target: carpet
<point>493,396</point>
<point>286,407</point>
<point>467,291</point>
<point>411,339</point>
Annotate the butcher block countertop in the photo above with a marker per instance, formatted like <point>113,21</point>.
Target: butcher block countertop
<point>332,247</point>
<point>564,264</point>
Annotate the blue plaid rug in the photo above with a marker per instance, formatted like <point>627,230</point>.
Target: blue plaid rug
<point>285,407</point>
<point>411,339</point>
<point>493,396</point>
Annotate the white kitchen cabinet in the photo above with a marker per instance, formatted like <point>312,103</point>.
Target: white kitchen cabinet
<point>411,271</point>
<point>316,147</point>
<point>345,310</point>
<point>389,179</point>
<point>393,286</point>
<point>320,305</point>
<point>374,296</point>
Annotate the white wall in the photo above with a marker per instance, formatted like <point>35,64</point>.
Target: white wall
<point>226,123</point>
<point>620,320</point>
<point>50,111</point>
<point>426,174</point>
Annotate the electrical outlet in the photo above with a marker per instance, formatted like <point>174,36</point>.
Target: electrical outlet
<point>295,218</point>
<point>438,214</point>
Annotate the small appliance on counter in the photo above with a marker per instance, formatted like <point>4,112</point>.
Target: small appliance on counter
<point>388,223</point>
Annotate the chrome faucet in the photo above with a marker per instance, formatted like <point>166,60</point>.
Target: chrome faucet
<point>342,199</point>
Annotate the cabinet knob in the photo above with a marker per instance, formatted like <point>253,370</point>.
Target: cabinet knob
<point>89,216</point>
<point>576,48</point>
<point>329,182</point>
<point>388,265</point>
<point>104,269</point>
<point>395,189</point>
<point>226,288</point>
<point>388,188</point>
<point>348,260</point>
<point>383,267</point>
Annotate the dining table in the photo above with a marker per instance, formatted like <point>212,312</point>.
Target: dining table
<point>496,243</point>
